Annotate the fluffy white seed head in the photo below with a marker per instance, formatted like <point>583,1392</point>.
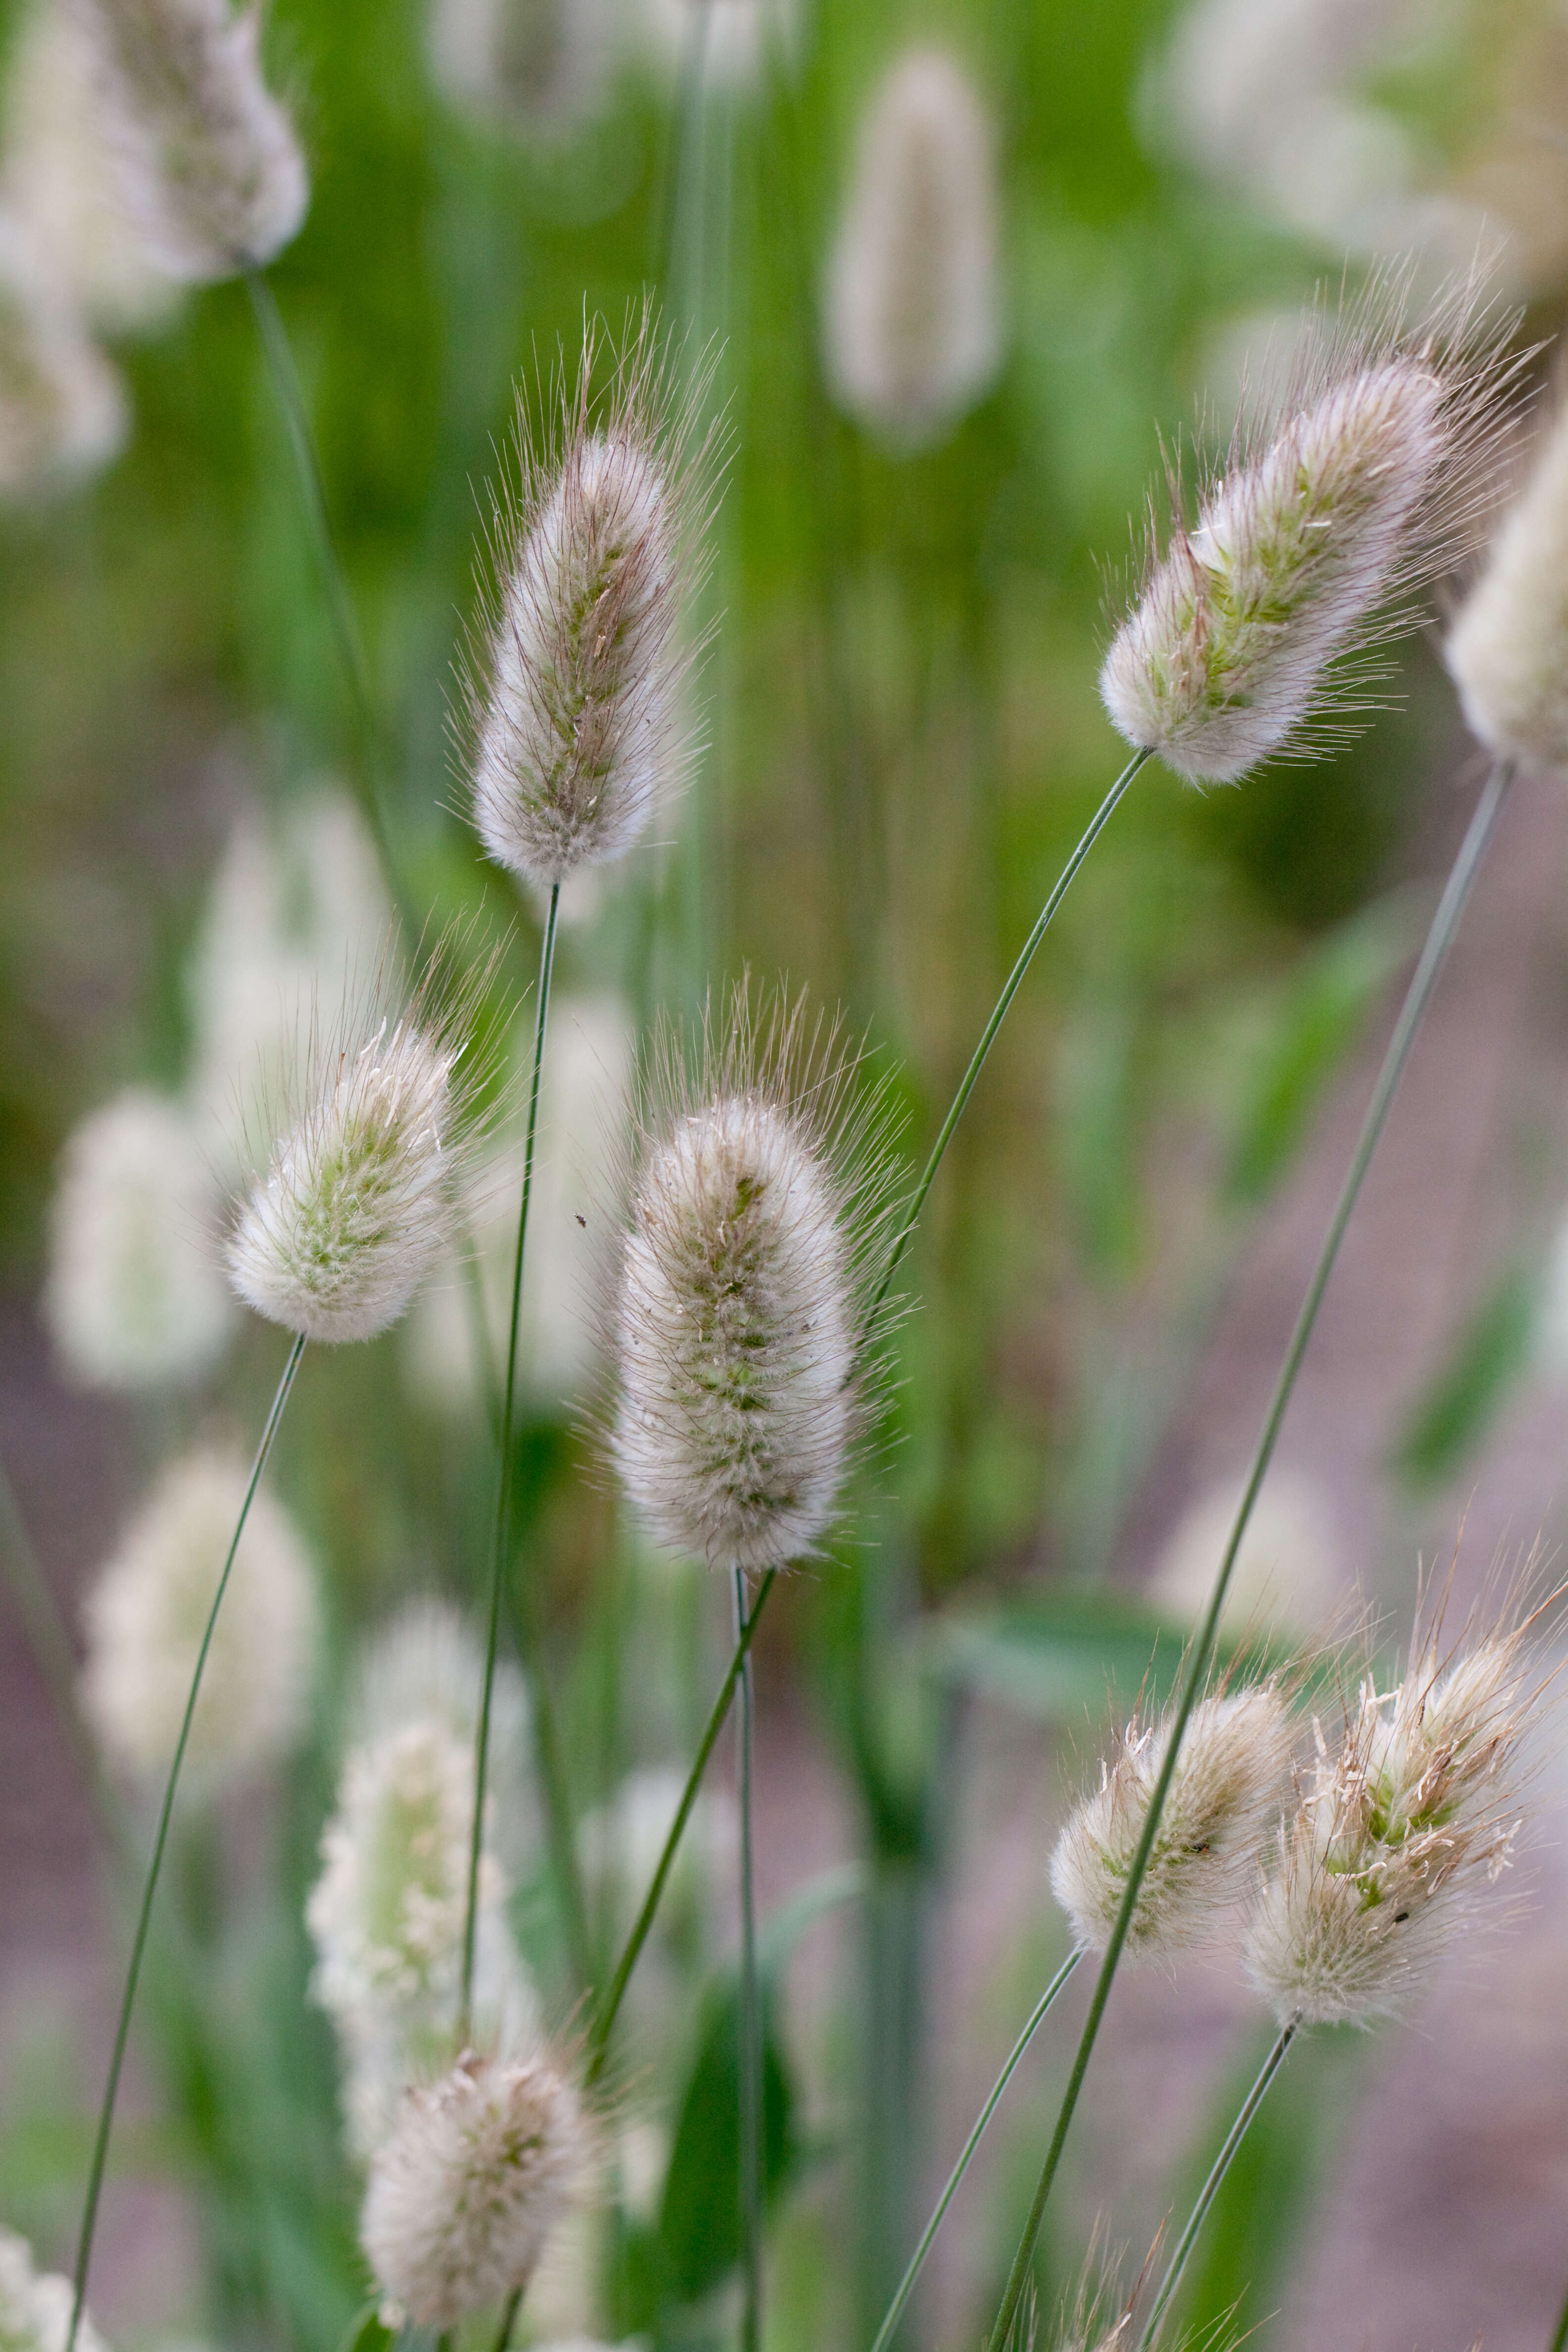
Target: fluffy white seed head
<point>1400,1832</point>
<point>1224,1800</point>
<point>62,410</point>
<point>479,2168</point>
<point>914,314</point>
<point>358,1198</point>
<point>1365,482</point>
<point>135,1296</point>
<point>36,2305</point>
<point>145,1618</point>
<point>1507,647</point>
<point>739,1335</point>
<point>575,702</point>
<point>1287,1574</point>
<point>210,167</point>
<point>539,68</point>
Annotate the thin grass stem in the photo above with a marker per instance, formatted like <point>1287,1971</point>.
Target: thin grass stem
<point>1439,936</point>
<point>906,2286</point>
<point>1560,2341</point>
<point>155,1863</point>
<point>508,2319</point>
<point>750,2022</point>
<point>604,2024</point>
<point>1210,2189</point>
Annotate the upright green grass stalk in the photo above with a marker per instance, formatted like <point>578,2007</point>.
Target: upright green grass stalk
<point>155,1863</point>
<point>750,2022</point>
<point>1560,2341</point>
<point>1445,923</point>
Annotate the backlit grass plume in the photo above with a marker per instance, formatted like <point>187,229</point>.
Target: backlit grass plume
<point>358,1197</point>
<point>479,2168</point>
<point>574,700</point>
<point>211,169</point>
<point>1401,1834</point>
<point>1507,647</point>
<point>1231,1774</point>
<point>1364,482</point>
<point>739,1335</point>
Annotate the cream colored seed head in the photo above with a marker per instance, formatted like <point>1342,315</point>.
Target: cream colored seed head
<point>1507,647</point>
<point>1224,1799</point>
<point>36,2305</point>
<point>62,410</point>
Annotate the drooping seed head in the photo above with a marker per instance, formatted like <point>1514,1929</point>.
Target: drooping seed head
<point>1367,482</point>
<point>1223,1801</point>
<point>62,412</point>
<point>754,1219</point>
<point>210,163</point>
<point>145,1615</point>
<point>574,701</point>
<point>359,1193</point>
<point>913,315</point>
<point>1399,1833</point>
<point>36,2305</point>
<point>478,2169</point>
<point>1507,650</point>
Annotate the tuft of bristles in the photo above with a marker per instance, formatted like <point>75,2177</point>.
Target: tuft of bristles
<point>1400,1833</point>
<point>913,316</point>
<point>742,1332</point>
<point>479,2168</point>
<point>1224,1800</point>
<point>1507,650</point>
<point>359,1195</point>
<point>573,699</point>
<point>1365,483</point>
<point>211,169</point>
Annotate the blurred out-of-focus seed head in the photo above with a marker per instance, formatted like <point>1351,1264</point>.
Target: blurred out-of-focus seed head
<point>1287,1574</point>
<point>913,323</point>
<point>540,68</point>
<point>134,1296</point>
<point>1231,1775</point>
<point>1369,479</point>
<point>755,1216</point>
<point>574,700</point>
<point>145,1615</point>
<point>729,42</point>
<point>1507,648</point>
<point>36,2305</point>
<point>479,2168</point>
<point>1400,1836</point>
<point>62,412</point>
<point>211,169</point>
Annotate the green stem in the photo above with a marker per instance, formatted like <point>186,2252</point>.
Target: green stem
<point>1445,923</point>
<point>508,2319</point>
<point>884,2336</point>
<point>1560,2341</point>
<point>1210,2189</point>
<point>1097,825</point>
<point>604,2024</point>
<point>161,1839</point>
<point>750,2050</point>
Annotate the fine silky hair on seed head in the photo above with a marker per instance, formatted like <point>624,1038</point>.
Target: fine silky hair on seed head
<point>355,1198</point>
<point>1507,649</point>
<point>575,686</point>
<point>740,1327</point>
<point>1401,1829</point>
<point>1231,1775</point>
<point>1370,477</point>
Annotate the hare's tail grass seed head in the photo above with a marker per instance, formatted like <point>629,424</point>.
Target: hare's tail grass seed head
<point>356,1198</point>
<point>1370,477</point>
<point>36,2305</point>
<point>1507,647</point>
<point>479,2168</point>
<point>1231,1775</point>
<point>742,1331</point>
<point>1401,1830</point>
<point>575,688</point>
<point>210,166</point>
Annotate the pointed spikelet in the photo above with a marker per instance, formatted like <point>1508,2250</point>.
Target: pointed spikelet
<point>211,169</point>
<point>479,2168</point>
<point>146,1613</point>
<point>913,315</point>
<point>1399,1835</point>
<point>36,2305</point>
<point>753,1235</point>
<point>1365,483</point>
<point>359,1195</point>
<point>574,704</point>
<point>1507,650</point>
<point>1224,1800</point>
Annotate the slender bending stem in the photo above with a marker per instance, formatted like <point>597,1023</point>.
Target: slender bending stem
<point>916,2260</point>
<point>750,2022</point>
<point>562,1854</point>
<point>1097,825</point>
<point>508,2319</point>
<point>1210,2189</point>
<point>1445,923</point>
<point>1560,2341</point>
<point>604,2024</point>
<point>161,1839</point>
